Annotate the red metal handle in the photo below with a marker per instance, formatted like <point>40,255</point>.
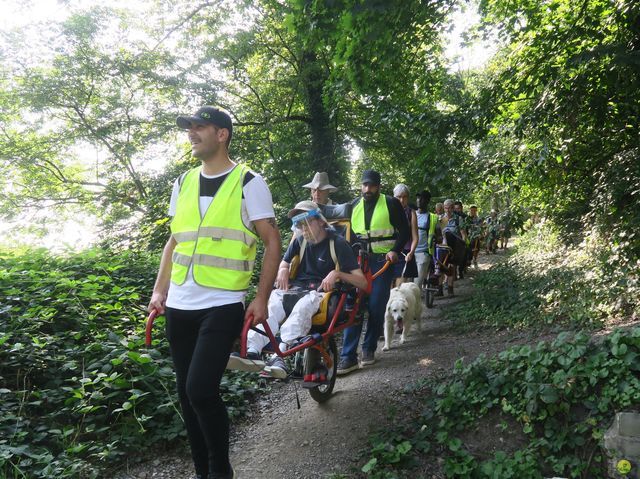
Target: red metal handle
<point>381,270</point>
<point>245,331</point>
<point>243,337</point>
<point>152,316</point>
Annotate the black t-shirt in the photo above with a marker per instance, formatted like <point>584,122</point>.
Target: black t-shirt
<point>210,186</point>
<point>317,262</point>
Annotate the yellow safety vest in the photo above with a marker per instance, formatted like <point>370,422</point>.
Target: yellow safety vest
<point>219,247</point>
<point>381,234</point>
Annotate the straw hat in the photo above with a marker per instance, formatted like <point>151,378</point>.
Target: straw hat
<point>321,182</point>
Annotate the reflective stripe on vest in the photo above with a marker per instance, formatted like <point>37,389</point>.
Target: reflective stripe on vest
<point>381,234</point>
<point>219,248</point>
<point>215,234</point>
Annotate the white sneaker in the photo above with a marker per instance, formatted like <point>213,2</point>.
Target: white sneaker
<point>252,363</point>
<point>276,368</point>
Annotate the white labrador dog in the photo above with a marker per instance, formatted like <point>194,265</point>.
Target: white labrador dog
<point>404,305</point>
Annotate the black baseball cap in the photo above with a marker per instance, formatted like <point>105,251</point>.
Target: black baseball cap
<point>207,115</point>
<point>371,177</point>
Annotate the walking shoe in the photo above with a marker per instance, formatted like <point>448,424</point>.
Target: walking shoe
<point>346,365</point>
<point>275,368</point>
<point>368,358</point>
<point>252,363</point>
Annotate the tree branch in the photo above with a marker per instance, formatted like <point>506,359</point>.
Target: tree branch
<point>180,24</point>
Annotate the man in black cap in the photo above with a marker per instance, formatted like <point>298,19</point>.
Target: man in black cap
<point>381,226</point>
<point>219,210</point>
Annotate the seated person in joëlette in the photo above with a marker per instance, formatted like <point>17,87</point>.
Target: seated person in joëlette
<point>325,258</point>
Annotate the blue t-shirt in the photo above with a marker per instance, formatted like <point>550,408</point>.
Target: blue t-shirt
<point>317,262</point>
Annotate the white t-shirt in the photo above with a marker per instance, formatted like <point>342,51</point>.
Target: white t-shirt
<point>257,204</point>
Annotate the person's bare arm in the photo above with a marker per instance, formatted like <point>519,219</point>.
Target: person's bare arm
<point>161,286</point>
<point>268,232</point>
<point>282,278</point>
<point>414,236</point>
<point>355,277</point>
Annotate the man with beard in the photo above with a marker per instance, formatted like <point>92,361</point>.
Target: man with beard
<point>219,210</point>
<point>380,224</point>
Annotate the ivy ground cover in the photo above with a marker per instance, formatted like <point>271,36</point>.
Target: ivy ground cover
<point>79,392</point>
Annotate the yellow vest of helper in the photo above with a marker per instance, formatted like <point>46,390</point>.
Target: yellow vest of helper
<point>381,234</point>
<point>433,220</point>
<point>219,247</point>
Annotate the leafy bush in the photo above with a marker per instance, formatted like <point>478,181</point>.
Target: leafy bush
<point>78,389</point>
<point>548,284</point>
<point>560,397</point>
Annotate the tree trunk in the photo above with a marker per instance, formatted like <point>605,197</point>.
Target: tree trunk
<point>323,151</point>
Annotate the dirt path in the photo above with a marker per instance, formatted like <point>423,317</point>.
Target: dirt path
<point>318,440</point>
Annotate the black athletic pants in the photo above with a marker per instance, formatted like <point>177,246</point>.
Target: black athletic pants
<point>200,342</point>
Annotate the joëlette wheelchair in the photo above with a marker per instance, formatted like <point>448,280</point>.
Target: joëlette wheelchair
<point>439,265</point>
<point>316,354</point>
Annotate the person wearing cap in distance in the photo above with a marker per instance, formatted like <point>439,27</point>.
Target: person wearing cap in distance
<point>380,224</point>
<point>317,272</point>
<point>321,189</point>
<point>474,227</point>
<point>219,210</point>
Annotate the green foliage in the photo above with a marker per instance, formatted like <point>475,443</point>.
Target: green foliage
<point>558,397</point>
<point>557,110</point>
<point>547,284</point>
<point>613,216</point>
<point>78,388</point>
<point>88,105</point>
<point>386,450</point>
<point>304,81</point>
